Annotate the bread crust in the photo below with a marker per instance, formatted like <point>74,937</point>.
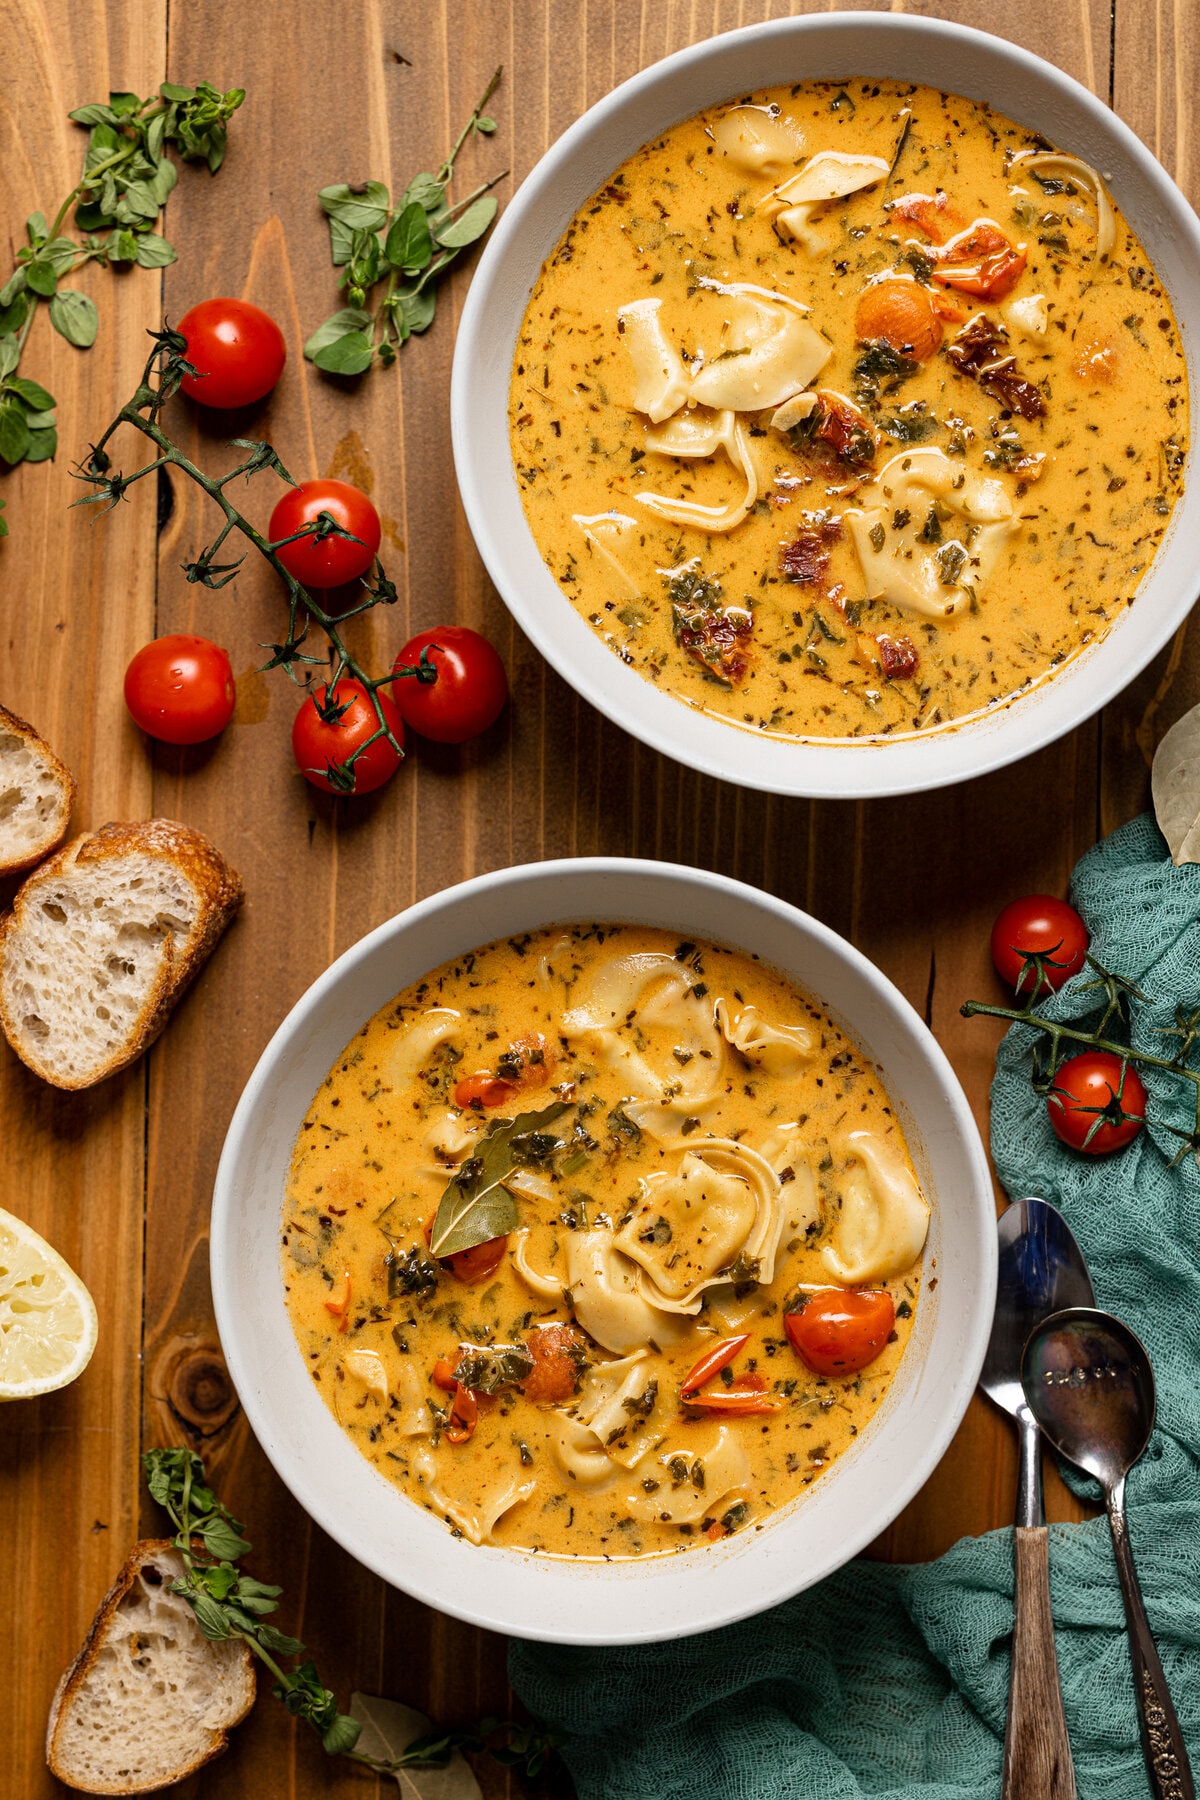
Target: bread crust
<point>146,1550</point>
<point>9,721</point>
<point>221,894</point>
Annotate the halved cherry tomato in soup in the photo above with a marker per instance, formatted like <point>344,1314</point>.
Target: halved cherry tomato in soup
<point>712,1362</point>
<point>475,1264</point>
<point>555,1374</point>
<point>902,313</point>
<point>981,261</point>
<point>483,1089</point>
<point>841,1330</point>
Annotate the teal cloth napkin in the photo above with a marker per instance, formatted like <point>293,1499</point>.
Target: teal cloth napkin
<point>893,1681</point>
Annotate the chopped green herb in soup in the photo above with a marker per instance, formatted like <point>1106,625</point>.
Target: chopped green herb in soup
<point>849,410</point>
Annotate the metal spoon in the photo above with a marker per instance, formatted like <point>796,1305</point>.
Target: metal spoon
<point>1041,1270</point>
<point>1089,1383</point>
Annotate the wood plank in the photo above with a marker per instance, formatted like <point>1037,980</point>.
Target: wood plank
<point>77,602</point>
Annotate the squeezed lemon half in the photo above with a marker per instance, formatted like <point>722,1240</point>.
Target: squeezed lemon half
<point>47,1317</point>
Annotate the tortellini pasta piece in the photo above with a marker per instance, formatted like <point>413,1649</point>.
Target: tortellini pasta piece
<point>659,371</point>
<point>703,434</point>
<point>721,1206</point>
<point>758,140</point>
<point>768,353</point>
<point>605,533</point>
<point>779,1049</point>
<point>602,1432</point>
<point>608,1303</point>
<point>933,582</point>
<point>830,175</point>
<point>476,1522</point>
<point>440,1025</point>
<point>884,1216</point>
<point>1053,162</point>
<point>366,1366</point>
<point>449,1138</point>
<point>651,989</point>
<point>685,1495</point>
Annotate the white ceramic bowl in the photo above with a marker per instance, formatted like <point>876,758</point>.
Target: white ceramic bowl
<point>961,61</point>
<point>515,1591</point>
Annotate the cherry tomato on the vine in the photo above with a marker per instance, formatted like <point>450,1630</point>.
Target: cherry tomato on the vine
<point>238,350</point>
<point>180,689</point>
<point>320,744</point>
<point>326,562</point>
<point>841,1330</point>
<point>1043,926</point>
<point>470,689</point>
<point>1097,1104</point>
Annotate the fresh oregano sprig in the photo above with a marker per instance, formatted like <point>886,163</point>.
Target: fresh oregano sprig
<point>1062,1040</point>
<point>228,1603</point>
<point>124,185</point>
<point>165,369</point>
<point>406,249</point>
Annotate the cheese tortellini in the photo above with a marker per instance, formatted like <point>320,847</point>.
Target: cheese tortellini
<point>884,1216</point>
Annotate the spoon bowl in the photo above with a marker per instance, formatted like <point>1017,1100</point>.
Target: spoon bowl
<point>1091,1389</point>
<point>1041,1271</point>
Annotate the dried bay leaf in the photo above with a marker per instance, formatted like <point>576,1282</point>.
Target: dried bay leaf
<point>388,1728</point>
<point>1175,786</point>
<point>476,1205</point>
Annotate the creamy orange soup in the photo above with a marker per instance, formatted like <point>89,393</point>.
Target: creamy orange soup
<point>849,409</point>
<point>602,1244</point>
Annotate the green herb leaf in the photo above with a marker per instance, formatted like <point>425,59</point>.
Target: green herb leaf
<point>476,1206</point>
<point>95,114</point>
<point>361,209</point>
<point>10,354</point>
<point>35,226</point>
<point>74,317</point>
<point>41,277</point>
<point>413,309</point>
<point>32,393</point>
<point>409,245</point>
<point>153,251</point>
<point>14,433</point>
<point>341,1736</point>
<point>42,444</point>
<point>3,522</point>
<point>424,190</point>
<point>349,354</point>
<point>13,286</point>
<point>469,225</point>
<point>339,325</point>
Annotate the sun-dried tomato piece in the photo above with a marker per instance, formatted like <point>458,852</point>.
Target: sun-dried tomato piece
<point>898,657</point>
<point>558,1362</point>
<point>847,430</point>
<point>718,640</point>
<point>979,351</point>
<point>806,558</point>
<point>982,261</point>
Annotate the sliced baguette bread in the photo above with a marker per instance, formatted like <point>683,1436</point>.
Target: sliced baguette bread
<point>149,1698</point>
<point>37,792</point>
<point>101,942</point>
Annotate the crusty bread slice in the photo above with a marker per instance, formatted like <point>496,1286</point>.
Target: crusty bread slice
<point>37,792</point>
<point>149,1698</point>
<point>101,942</point>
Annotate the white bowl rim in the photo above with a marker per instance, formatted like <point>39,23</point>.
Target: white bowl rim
<point>814,768</point>
<point>548,1626</point>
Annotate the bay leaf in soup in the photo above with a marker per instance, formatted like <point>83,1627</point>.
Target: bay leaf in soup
<point>476,1205</point>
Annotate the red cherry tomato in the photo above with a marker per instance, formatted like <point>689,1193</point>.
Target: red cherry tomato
<point>238,350</point>
<point>557,1353</point>
<point>1039,924</point>
<point>484,1089</point>
<point>1090,1100</point>
<point>475,1264</point>
<point>326,562</point>
<point>180,689</point>
<point>841,1330</point>
<point>469,692</point>
<point>320,744</point>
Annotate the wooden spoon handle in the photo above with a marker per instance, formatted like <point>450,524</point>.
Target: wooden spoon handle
<point>1162,1741</point>
<point>1037,1752</point>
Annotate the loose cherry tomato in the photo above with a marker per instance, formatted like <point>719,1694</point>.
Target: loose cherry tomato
<point>555,1350</point>
<point>238,350</point>
<point>470,689</point>
<point>841,1330</point>
<point>180,689</point>
<point>326,562</point>
<point>321,745</point>
<point>1041,926</point>
<point>981,261</point>
<point>1096,1105</point>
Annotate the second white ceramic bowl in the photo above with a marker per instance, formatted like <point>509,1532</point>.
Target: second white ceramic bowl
<point>839,45</point>
<point>597,1602</point>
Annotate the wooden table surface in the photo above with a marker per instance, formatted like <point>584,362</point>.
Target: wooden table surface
<point>119,1178</point>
